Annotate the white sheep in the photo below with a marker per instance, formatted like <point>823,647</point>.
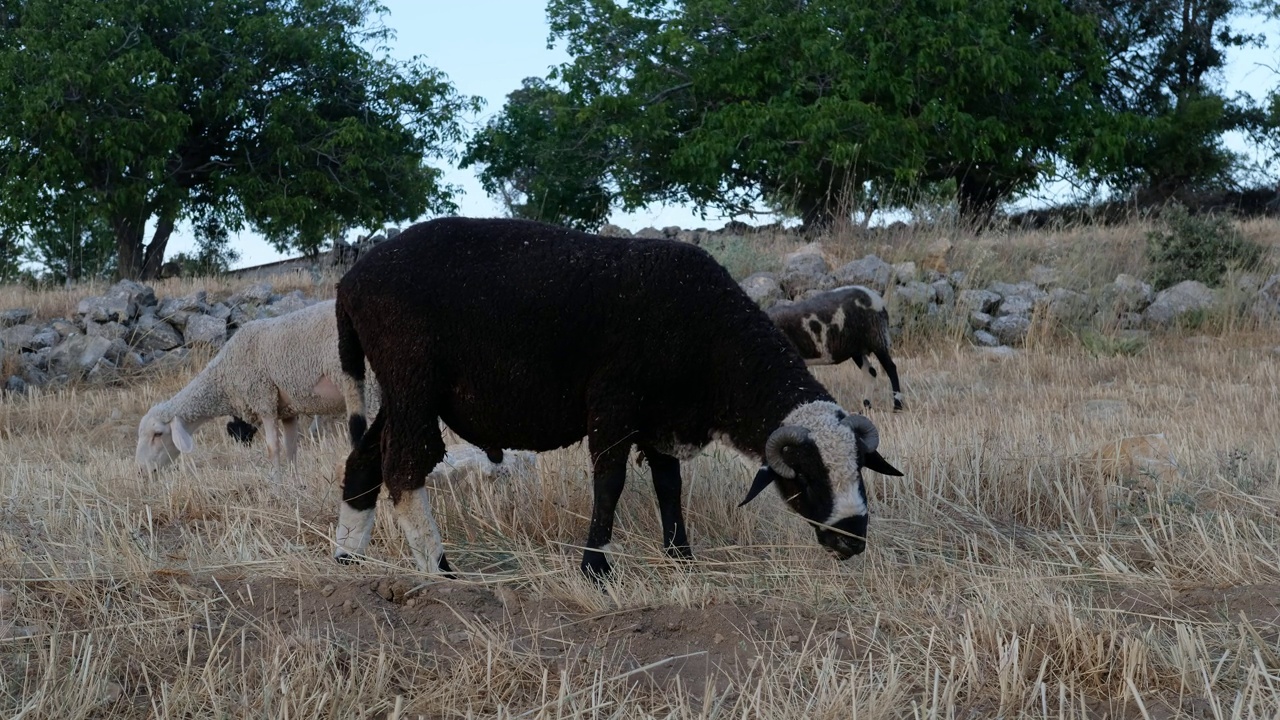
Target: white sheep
<point>268,373</point>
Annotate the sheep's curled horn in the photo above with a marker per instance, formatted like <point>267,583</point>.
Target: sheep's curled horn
<point>780,438</point>
<point>864,430</point>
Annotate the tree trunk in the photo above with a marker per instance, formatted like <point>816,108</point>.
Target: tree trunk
<point>155,249</point>
<point>128,247</point>
<point>978,196</point>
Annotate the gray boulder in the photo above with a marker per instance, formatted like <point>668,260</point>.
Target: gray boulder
<point>1176,302</point>
<point>108,330</point>
<point>869,271</point>
<point>135,292</point>
<point>945,294</point>
<point>64,328</point>
<point>804,272</point>
<point>15,385</point>
<point>45,338</point>
<point>763,288</point>
<point>78,355</point>
<point>19,337</point>
<point>205,330</point>
<point>905,272</point>
<point>971,301</point>
<point>611,230</point>
<point>16,316</point>
<point>1267,304</point>
<point>151,334</point>
<point>1010,329</point>
<point>985,339</point>
<point>1015,305</point>
<point>913,297</point>
<point>979,320</point>
<point>107,308</point>
<point>650,233</point>
<point>1068,306</point>
<point>1126,294</point>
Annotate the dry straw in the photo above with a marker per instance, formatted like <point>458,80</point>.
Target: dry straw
<point>1006,575</point>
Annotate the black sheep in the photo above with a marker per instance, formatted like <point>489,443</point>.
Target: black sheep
<point>842,324</point>
<point>525,335</point>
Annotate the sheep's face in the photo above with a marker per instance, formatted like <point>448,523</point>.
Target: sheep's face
<point>160,441</point>
<point>816,461</point>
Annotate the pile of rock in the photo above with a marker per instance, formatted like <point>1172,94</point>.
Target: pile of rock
<point>127,328</point>
<point>1001,313</point>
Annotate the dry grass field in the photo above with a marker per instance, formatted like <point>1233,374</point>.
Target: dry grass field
<point>1008,574</point>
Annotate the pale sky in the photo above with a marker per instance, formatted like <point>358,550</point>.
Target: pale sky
<point>487,47</point>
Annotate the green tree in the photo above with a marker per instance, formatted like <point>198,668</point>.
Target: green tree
<point>70,243</point>
<point>541,162</point>
<point>286,116</point>
<point>816,105</point>
<point>1166,111</point>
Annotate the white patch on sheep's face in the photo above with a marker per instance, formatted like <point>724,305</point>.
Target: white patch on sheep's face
<point>839,449</point>
<point>156,446</point>
<point>355,528</point>
<point>413,514</point>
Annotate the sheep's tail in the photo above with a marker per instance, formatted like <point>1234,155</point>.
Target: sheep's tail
<point>351,356</point>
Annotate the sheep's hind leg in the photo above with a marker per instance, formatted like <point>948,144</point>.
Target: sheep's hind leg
<point>891,370</point>
<point>411,452</point>
<point>361,482</point>
<point>667,486</point>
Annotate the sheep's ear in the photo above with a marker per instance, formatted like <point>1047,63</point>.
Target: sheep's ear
<point>763,479</point>
<point>181,437</point>
<point>873,461</point>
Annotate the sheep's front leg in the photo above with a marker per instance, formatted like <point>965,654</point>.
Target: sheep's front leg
<point>410,451</point>
<point>667,486</point>
<point>609,475</point>
<point>361,482</point>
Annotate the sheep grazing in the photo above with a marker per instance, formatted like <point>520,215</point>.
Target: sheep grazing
<point>842,324</point>
<point>268,373</point>
<point>524,335</point>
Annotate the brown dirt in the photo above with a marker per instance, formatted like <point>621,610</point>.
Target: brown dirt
<point>703,647</point>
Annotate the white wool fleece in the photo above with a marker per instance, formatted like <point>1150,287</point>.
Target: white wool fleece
<point>839,448</point>
<point>269,372</point>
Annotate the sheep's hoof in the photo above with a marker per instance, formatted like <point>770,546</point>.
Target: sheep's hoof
<point>345,558</point>
<point>680,552</point>
<point>445,570</point>
<point>596,567</point>
<point>866,404</point>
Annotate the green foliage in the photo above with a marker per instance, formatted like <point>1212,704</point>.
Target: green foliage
<point>541,163</point>
<point>213,255</point>
<point>281,115</point>
<point>10,258</point>
<point>1197,247</point>
<point>72,248</point>
<point>1163,111</point>
<point>818,106</point>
